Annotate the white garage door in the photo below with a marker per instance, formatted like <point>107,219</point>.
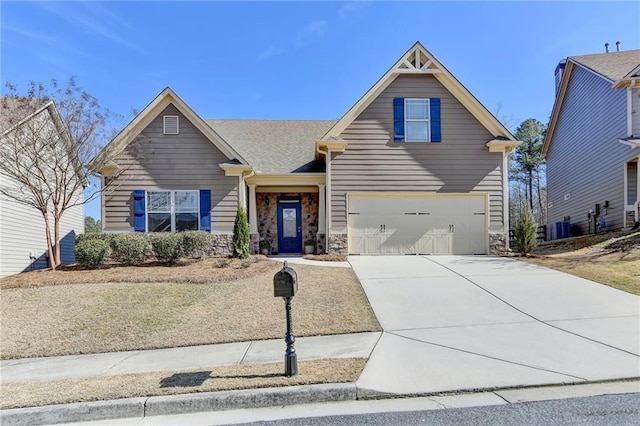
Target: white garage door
<point>417,224</point>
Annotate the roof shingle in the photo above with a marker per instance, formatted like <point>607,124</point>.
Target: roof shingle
<point>613,65</point>
<point>274,146</point>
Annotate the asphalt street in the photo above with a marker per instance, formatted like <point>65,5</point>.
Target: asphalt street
<point>606,410</point>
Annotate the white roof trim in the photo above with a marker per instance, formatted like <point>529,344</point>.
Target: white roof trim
<point>411,62</point>
<point>557,104</point>
<point>633,143</point>
<point>628,80</point>
<point>47,105</point>
<point>501,145</point>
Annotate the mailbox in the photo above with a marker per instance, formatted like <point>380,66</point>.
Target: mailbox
<point>285,282</point>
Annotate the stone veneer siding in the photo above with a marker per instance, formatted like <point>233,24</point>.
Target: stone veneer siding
<point>338,244</point>
<point>498,244</point>
<point>267,211</point>
<point>221,245</point>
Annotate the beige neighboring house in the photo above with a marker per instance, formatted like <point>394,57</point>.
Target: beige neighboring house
<point>417,165</point>
<point>23,244</point>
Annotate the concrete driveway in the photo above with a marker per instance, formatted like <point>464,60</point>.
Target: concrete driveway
<point>455,323</point>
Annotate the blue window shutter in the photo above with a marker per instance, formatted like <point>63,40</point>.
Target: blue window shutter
<point>139,210</point>
<point>398,119</point>
<point>436,135</point>
<point>205,210</point>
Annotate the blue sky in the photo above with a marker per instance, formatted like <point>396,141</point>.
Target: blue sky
<point>301,60</point>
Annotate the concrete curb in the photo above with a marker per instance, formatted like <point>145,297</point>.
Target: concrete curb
<point>76,412</point>
<point>178,404</point>
<point>283,396</point>
<point>249,398</point>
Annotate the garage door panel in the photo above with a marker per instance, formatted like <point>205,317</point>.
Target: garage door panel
<point>417,225</point>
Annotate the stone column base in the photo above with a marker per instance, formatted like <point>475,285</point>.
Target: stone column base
<point>337,244</point>
<point>498,244</point>
<point>321,242</point>
<point>254,243</point>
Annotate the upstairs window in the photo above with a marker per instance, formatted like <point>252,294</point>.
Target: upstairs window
<point>416,120</point>
<point>170,125</point>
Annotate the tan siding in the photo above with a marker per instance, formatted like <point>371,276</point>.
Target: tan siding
<point>185,161</point>
<point>374,162</point>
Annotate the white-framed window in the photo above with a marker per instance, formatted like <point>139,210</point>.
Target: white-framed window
<point>170,125</point>
<point>172,211</point>
<point>416,120</point>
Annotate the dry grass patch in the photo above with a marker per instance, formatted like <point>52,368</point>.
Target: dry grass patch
<point>92,318</point>
<point>16,395</point>
<point>612,259</point>
<point>209,270</point>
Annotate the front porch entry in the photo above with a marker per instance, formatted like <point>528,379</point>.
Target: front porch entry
<point>632,192</point>
<point>287,220</point>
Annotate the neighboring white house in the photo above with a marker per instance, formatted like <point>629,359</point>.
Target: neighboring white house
<point>23,244</point>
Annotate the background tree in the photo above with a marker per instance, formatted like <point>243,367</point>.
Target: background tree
<point>45,159</point>
<point>92,225</point>
<point>527,171</point>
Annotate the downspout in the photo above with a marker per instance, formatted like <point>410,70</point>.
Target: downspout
<point>243,178</point>
<point>327,198</point>
<point>505,188</point>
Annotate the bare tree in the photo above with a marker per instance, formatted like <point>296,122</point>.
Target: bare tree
<point>49,135</point>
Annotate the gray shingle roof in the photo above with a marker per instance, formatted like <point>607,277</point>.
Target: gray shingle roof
<point>613,65</point>
<point>274,146</point>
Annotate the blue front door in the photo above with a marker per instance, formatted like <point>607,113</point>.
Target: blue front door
<point>289,226</point>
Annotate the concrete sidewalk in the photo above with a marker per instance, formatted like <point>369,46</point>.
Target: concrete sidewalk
<point>358,345</point>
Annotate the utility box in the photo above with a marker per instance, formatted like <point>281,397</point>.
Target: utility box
<point>285,282</point>
<point>562,230</point>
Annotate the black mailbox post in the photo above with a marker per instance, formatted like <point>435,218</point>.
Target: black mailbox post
<point>285,282</point>
<point>285,285</point>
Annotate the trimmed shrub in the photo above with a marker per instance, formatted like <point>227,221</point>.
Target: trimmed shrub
<point>195,243</point>
<point>241,236</point>
<point>167,247</point>
<point>128,248</point>
<point>102,236</point>
<point>525,233</point>
<point>90,252</point>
